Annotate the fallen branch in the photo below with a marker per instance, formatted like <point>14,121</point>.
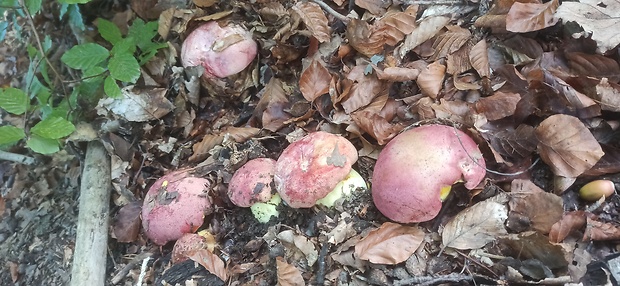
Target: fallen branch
<point>19,158</point>
<point>91,243</point>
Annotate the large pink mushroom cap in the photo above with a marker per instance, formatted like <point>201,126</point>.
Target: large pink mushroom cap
<point>252,182</point>
<point>308,169</point>
<point>413,168</point>
<point>175,204</point>
<point>222,51</point>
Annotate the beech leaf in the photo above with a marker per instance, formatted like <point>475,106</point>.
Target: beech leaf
<point>391,243</point>
<point>570,222</point>
<point>399,24</point>
<point>529,17</point>
<point>475,226</point>
<point>567,146</point>
<point>598,21</point>
<point>313,17</point>
<point>427,29</point>
<point>430,80</point>
<point>288,275</point>
<point>211,262</point>
<point>314,80</point>
<point>479,58</point>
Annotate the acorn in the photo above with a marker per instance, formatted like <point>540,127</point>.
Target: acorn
<point>597,189</point>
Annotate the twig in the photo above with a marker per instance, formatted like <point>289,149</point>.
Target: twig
<point>19,158</point>
<point>433,280</point>
<point>433,2</point>
<point>145,263</point>
<point>330,10</point>
<point>130,265</point>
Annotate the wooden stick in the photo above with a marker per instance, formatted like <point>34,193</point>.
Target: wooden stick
<point>89,260</point>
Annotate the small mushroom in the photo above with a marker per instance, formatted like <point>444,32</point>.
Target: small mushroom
<point>250,186</point>
<point>187,245</point>
<point>222,50</point>
<point>418,165</point>
<point>176,204</point>
<point>309,169</point>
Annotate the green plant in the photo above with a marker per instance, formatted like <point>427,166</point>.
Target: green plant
<point>46,98</point>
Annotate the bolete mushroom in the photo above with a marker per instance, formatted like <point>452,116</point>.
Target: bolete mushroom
<point>176,204</point>
<point>251,186</point>
<point>416,165</point>
<point>222,50</point>
<point>310,168</point>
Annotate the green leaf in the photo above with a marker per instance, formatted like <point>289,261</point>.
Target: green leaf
<point>75,18</point>
<point>143,32</point>
<point>10,134</point>
<point>85,56</point>
<point>109,31</point>
<point>13,100</point>
<point>43,145</point>
<point>33,6</point>
<point>127,45</point>
<point>94,74</point>
<point>111,88</point>
<point>150,52</point>
<point>53,128</point>
<point>124,67</point>
<point>63,10</point>
<point>74,1</point>
<point>4,26</point>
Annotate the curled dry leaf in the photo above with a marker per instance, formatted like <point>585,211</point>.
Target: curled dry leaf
<point>202,148</point>
<point>529,17</point>
<point>498,105</point>
<point>288,275</point>
<point>314,80</point>
<point>529,202</point>
<point>570,222</point>
<point>391,243</point>
<point>211,262</point>
<point>608,95</point>
<point>301,243</point>
<point>567,146</point>
<point>270,108</point>
<point>593,65</point>
<point>399,24</point>
<point>397,74</point>
<point>430,80</point>
<point>376,126</point>
<point>365,89</point>
<point>450,41</point>
<point>126,223</point>
<point>365,38</point>
<point>240,134</point>
<point>479,58</point>
<point>598,230</point>
<point>427,29</point>
<point>313,17</point>
<point>475,226</point>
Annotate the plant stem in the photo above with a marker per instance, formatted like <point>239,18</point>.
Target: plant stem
<point>19,158</point>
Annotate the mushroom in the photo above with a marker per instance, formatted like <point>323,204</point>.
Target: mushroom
<point>175,204</point>
<point>188,244</point>
<point>416,166</point>
<point>222,50</point>
<point>309,169</point>
<point>250,186</point>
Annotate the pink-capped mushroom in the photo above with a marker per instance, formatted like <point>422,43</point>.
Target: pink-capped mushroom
<point>417,165</point>
<point>176,204</point>
<point>251,186</point>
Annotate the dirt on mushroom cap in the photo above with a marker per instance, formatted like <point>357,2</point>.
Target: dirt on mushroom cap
<point>416,164</point>
<point>252,182</point>
<point>310,168</point>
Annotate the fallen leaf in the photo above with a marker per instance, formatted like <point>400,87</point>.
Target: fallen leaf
<point>479,58</point>
<point>567,146</point>
<point>450,41</point>
<point>314,80</point>
<point>598,230</point>
<point>201,149</point>
<point>608,95</point>
<point>430,80</point>
<point>593,65</point>
<point>288,275</point>
<point>475,226</point>
<point>127,222</point>
<point>391,243</point>
<point>373,6</point>
<point>399,24</point>
<point>598,21</point>
<point>533,245</point>
<point>515,143</point>
<point>270,108</point>
<point>137,105</point>
<point>211,262</point>
<point>300,243</point>
<point>571,222</point>
<point>314,18</point>
<point>529,17</point>
<point>364,90</point>
<point>541,209</point>
<point>498,105</point>
<point>365,38</point>
<point>427,29</point>
<point>240,134</point>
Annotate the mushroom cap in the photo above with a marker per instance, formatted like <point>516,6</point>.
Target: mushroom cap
<point>186,244</point>
<point>252,182</point>
<point>310,168</point>
<point>174,205</point>
<point>415,165</point>
<point>222,51</point>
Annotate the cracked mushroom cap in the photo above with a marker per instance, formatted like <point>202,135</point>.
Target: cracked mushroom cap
<point>310,168</point>
<point>175,204</point>
<point>252,182</point>
<point>222,51</point>
<point>413,168</point>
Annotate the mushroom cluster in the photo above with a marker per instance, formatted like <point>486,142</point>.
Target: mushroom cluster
<point>419,164</point>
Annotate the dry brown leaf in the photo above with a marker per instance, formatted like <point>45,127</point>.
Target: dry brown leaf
<point>533,245</point>
<point>366,39</point>
<point>598,230</point>
<point>479,58</point>
<point>365,89</point>
<point>430,80</point>
<point>450,41</point>
<point>288,275</point>
<point>211,262</point>
<point>126,223</point>
<point>301,243</point>
<point>570,222</point>
<point>373,6</point>
<point>240,134</point>
<point>137,104</point>
<point>475,226</point>
<point>593,65</point>
<point>397,74</point>
<point>391,243</point>
<point>515,143</point>
<point>608,95</point>
<point>598,21</point>
<point>376,126</point>
<point>529,17</point>
<point>2,205</point>
<point>314,80</point>
<point>427,29</point>
<point>454,110</point>
<point>567,146</point>
<point>399,24</point>
<point>493,21</point>
<point>202,148</point>
<point>271,106</point>
<point>498,105</point>
<point>458,62</point>
<point>539,208</point>
<point>313,17</point>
